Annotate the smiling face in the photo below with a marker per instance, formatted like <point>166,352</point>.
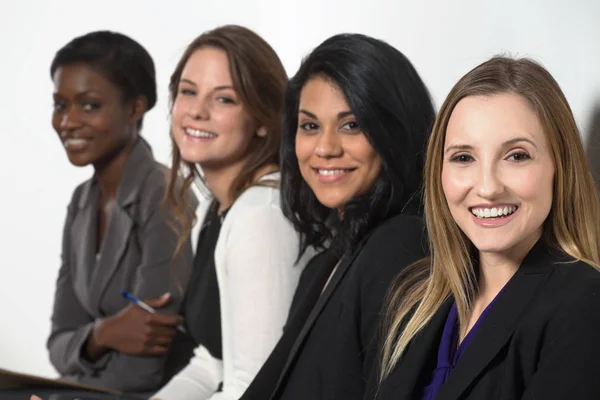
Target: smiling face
<point>498,172</point>
<point>91,118</point>
<point>334,156</point>
<point>209,123</point>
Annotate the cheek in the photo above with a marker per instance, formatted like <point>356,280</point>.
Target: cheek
<point>534,184</point>
<point>373,172</point>
<point>236,123</point>
<point>177,112</point>
<point>56,122</point>
<point>453,185</point>
<point>304,149</point>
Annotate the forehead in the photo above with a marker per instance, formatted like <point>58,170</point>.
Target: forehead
<point>323,97</point>
<point>208,65</point>
<point>81,77</point>
<point>492,120</point>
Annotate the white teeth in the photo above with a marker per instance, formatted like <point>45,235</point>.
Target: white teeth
<point>74,142</point>
<point>199,134</point>
<point>493,212</point>
<point>331,172</point>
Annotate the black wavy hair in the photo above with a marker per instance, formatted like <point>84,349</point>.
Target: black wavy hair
<point>122,60</point>
<point>394,110</point>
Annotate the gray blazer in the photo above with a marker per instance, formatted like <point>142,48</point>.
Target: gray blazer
<point>136,255</point>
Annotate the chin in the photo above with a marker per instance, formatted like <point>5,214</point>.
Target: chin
<point>192,157</point>
<point>493,246</point>
<point>331,202</point>
<point>79,161</point>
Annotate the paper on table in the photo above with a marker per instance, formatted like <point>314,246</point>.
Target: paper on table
<point>15,380</point>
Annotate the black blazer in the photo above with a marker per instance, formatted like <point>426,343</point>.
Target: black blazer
<point>540,340</point>
<point>326,352</point>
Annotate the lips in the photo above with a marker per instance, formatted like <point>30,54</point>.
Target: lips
<point>331,174</point>
<point>75,143</point>
<point>199,134</point>
<point>488,212</point>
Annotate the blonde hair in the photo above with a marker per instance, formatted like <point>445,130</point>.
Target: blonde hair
<point>571,227</point>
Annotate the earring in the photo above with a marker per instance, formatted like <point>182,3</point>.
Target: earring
<point>261,132</point>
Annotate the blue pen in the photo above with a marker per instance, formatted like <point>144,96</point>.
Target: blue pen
<point>145,306</point>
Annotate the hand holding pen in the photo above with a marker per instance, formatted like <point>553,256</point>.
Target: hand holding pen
<point>136,330</point>
<point>145,306</point>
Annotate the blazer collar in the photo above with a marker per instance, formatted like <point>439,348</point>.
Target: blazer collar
<point>119,225</point>
<point>413,371</point>
<point>339,273</point>
<point>499,325</point>
<point>137,166</point>
<point>493,334</point>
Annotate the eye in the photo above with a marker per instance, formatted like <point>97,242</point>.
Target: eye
<point>461,158</point>
<point>187,92</point>
<point>90,106</point>
<point>59,106</point>
<point>351,126</point>
<point>519,156</point>
<point>309,126</point>
<point>225,100</point>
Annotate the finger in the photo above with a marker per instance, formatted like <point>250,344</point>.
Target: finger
<point>159,302</point>
<point>160,331</point>
<point>34,397</point>
<point>163,341</point>
<point>163,319</point>
<point>156,350</point>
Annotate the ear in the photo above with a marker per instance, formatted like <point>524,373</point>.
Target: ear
<point>139,107</point>
<point>261,132</point>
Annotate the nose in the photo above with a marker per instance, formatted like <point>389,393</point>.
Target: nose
<point>489,184</point>
<point>329,144</point>
<point>70,119</point>
<point>198,109</point>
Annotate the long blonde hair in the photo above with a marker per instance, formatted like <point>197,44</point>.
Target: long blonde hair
<point>571,227</point>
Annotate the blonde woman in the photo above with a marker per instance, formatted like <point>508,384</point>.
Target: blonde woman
<point>508,305</point>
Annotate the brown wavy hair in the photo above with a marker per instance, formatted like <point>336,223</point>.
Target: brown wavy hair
<point>259,79</point>
<point>573,225</point>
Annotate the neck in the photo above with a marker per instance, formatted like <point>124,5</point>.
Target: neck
<point>220,181</point>
<point>110,171</point>
<point>496,269</point>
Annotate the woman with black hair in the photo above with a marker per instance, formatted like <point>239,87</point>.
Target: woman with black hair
<point>116,235</point>
<point>356,121</point>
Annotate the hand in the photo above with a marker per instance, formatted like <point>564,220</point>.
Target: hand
<point>136,331</point>
<point>34,397</point>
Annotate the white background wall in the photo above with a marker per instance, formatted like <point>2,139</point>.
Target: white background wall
<point>444,39</point>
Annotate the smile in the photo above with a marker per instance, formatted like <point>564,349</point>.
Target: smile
<point>75,143</point>
<point>332,172</point>
<point>493,212</point>
<point>199,134</point>
<point>331,175</point>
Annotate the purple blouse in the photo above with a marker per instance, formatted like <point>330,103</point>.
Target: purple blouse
<point>448,353</point>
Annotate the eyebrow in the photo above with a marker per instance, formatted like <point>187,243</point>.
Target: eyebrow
<point>80,94</point>
<point>222,87</point>
<point>340,115</point>
<point>507,143</point>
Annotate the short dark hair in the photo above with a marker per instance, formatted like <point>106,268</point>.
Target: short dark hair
<point>394,110</point>
<point>122,60</point>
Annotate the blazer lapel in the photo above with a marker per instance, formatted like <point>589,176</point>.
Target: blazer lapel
<point>420,358</point>
<point>83,238</point>
<point>334,282</point>
<point>497,328</point>
<point>121,222</point>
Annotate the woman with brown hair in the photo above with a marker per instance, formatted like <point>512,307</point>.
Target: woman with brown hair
<point>507,305</point>
<point>226,103</point>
